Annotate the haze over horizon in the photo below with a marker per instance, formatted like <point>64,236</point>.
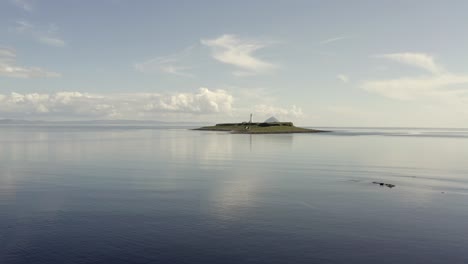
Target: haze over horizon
<point>327,63</point>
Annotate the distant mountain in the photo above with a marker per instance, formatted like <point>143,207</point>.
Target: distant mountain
<point>98,122</point>
<point>18,121</point>
<point>272,120</point>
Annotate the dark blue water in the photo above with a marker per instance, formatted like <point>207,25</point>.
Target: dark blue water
<point>166,195</point>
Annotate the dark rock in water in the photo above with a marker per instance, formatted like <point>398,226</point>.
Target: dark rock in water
<point>389,185</point>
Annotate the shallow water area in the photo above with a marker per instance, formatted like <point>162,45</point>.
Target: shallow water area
<point>136,194</point>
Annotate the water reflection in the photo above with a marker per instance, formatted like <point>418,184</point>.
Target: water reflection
<point>140,192</point>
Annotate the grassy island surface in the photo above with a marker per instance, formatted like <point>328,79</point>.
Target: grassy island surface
<point>260,128</point>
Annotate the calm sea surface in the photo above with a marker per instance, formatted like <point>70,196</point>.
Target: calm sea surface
<point>116,194</point>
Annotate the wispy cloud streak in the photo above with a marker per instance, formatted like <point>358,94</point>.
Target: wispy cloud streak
<point>172,64</point>
<point>331,40</point>
<point>23,4</point>
<point>343,78</point>
<point>419,60</point>
<point>232,50</point>
<point>49,37</point>
<point>9,67</point>
<point>438,83</point>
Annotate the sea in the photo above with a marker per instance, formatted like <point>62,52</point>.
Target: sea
<point>167,194</point>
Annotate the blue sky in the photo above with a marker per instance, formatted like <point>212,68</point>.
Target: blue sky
<point>324,63</point>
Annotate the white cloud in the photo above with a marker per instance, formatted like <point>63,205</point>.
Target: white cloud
<point>263,104</point>
<point>171,64</point>
<point>438,84</point>
<point>281,113</point>
<point>331,40</point>
<point>49,36</point>
<point>71,105</point>
<point>343,78</point>
<point>419,60</point>
<point>203,102</point>
<point>230,49</point>
<point>9,68</point>
<point>24,72</point>
<point>176,70</point>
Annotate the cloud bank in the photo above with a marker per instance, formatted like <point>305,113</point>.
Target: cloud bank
<point>78,105</point>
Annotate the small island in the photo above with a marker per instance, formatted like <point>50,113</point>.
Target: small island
<point>269,126</point>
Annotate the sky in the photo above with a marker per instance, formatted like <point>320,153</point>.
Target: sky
<point>315,63</point>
